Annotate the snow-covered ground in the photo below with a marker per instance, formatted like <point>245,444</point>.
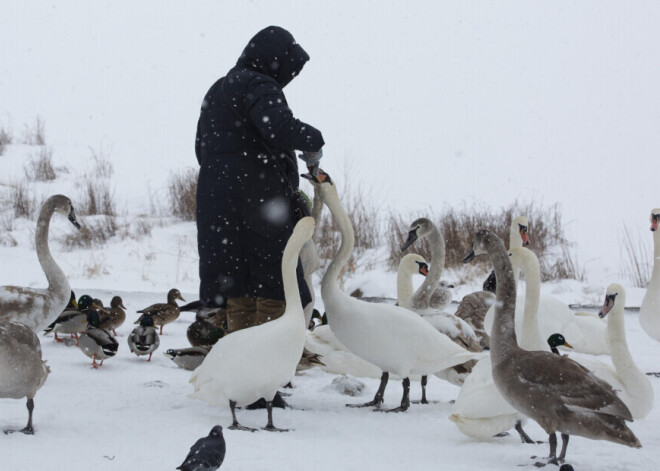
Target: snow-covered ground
<point>130,414</point>
<point>428,104</point>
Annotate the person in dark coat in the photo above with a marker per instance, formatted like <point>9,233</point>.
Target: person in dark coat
<point>247,180</point>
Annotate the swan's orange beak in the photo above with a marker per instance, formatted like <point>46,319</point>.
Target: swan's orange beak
<point>524,236</point>
<point>320,177</point>
<point>424,269</point>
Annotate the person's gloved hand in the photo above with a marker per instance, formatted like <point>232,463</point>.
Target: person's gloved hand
<point>313,160</point>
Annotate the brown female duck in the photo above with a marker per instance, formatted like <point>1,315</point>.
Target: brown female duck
<point>163,313</point>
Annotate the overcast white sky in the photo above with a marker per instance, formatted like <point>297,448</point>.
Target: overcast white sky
<point>430,104</point>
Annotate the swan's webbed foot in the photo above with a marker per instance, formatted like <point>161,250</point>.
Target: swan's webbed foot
<point>234,424</point>
<point>401,408</point>
<point>28,430</point>
<point>237,426</point>
<point>374,403</point>
<point>405,401</point>
<point>378,398</point>
<point>272,428</point>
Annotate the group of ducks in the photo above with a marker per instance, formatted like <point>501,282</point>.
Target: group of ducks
<point>517,379</point>
<point>26,311</point>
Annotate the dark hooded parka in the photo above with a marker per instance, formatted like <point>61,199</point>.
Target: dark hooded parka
<point>244,216</point>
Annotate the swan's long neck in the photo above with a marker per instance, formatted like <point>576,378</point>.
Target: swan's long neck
<point>654,283</point>
<point>619,352</point>
<point>515,240</point>
<point>503,337</point>
<point>530,337</point>
<point>329,282</point>
<point>404,287</point>
<point>57,281</point>
<point>420,300</point>
<point>289,264</point>
<point>317,209</point>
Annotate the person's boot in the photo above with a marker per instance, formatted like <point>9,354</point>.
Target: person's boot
<point>240,313</point>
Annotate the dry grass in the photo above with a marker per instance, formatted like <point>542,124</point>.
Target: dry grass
<point>6,139</point>
<point>459,225</point>
<point>364,218</point>
<point>21,201</point>
<point>636,258</point>
<point>35,135</point>
<point>92,233</point>
<point>97,198</point>
<point>41,168</point>
<point>182,189</point>
<point>103,168</point>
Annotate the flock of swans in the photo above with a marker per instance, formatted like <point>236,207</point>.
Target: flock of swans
<point>493,347</point>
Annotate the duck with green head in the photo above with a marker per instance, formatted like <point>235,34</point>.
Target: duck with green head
<point>144,339</point>
<point>97,343</point>
<point>557,340</point>
<point>73,320</point>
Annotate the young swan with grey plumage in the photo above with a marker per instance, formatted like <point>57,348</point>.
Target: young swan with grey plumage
<point>555,391</point>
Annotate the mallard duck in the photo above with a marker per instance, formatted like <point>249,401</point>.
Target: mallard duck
<point>557,340</point>
<point>114,317</point>
<point>163,313</point>
<point>202,332</point>
<point>36,307</point>
<point>187,358</point>
<point>72,321</point>
<point>95,342</point>
<point>22,371</point>
<point>309,360</point>
<point>555,391</point>
<point>144,338</point>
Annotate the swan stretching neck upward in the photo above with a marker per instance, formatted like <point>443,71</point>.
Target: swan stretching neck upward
<point>555,391</point>
<point>254,363</point>
<point>649,312</point>
<point>393,338</point>
<point>36,308</point>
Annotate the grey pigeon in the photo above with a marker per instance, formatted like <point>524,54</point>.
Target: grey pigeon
<point>207,453</point>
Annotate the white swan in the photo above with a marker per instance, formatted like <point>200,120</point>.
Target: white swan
<point>631,385</point>
<point>393,338</point>
<point>337,358</point>
<point>253,363</point>
<point>649,312</point>
<point>480,411</point>
<point>555,391</point>
<point>36,308</point>
<point>473,306</point>
<point>587,334</point>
